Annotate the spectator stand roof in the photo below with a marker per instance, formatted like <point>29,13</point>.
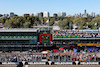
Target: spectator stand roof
<point>18,30</point>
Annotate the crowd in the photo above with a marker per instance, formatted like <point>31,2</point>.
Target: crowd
<point>61,55</point>
<point>72,32</point>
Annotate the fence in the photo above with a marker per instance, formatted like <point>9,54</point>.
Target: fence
<point>54,57</point>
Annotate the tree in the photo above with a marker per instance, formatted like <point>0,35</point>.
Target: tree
<point>2,20</point>
<point>27,24</point>
<point>95,23</point>
<point>65,24</point>
<point>51,22</point>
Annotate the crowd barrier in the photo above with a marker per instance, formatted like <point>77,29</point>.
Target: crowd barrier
<point>51,63</point>
<point>47,59</point>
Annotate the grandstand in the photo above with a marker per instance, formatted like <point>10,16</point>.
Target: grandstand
<point>17,39</point>
<point>78,39</point>
<point>45,38</point>
<point>59,46</point>
<point>23,39</point>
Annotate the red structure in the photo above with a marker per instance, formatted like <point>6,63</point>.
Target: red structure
<point>45,35</point>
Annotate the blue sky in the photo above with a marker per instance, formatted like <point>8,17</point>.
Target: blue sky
<point>53,6</point>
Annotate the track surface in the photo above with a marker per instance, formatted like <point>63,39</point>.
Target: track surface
<point>53,66</point>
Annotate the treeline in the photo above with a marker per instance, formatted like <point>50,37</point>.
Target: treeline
<point>80,22</point>
<point>63,22</point>
<point>26,21</point>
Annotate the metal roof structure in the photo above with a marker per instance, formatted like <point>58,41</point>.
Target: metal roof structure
<point>18,30</point>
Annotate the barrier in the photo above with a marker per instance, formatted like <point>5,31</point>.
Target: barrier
<point>89,63</point>
<point>10,63</point>
<point>50,63</point>
<point>0,63</point>
<point>39,63</point>
<point>63,63</point>
<point>30,63</point>
<point>54,59</point>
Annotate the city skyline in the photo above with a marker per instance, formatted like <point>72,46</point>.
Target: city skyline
<point>53,6</point>
<point>47,14</point>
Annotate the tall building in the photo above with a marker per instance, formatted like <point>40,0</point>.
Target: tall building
<point>92,14</point>
<point>85,14</point>
<point>36,14</point>
<point>41,14</point>
<point>84,11</point>
<point>5,15</point>
<point>54,15</point>
<point>15,15</point>
<point>11,14</point>
<point>1,15</point>
<point>97,15</point>
<point>76,15</point>
<point>46,14</point>
<point>26,14</point>
<point>32,14</point>
<point>80,14</point>
<point>61,14</point>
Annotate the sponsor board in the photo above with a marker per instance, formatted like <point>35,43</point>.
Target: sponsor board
<point>39,63</point>
<point>49,62</point>
<point>87,36</point>
<point>92,63</point>
<point>30,63</point>
<point>10,63</point>
<point>76,62</point>
<point>44,60</point>
<point>63,63</point>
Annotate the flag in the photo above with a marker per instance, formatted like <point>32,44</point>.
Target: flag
<point>47,21</point>
<point>1,26</point>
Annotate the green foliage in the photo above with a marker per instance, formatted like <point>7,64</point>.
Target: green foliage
<point>94,21</point>
<point>51,22</point>
<point>2,20</point>
<point>63,22</point>
<point>27,24</point>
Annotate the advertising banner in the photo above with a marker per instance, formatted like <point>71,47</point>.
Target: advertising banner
<point>82,44</point>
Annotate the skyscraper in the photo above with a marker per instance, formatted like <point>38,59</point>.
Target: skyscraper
<point>61,14</point>
<point>41,14</point>
<point>84,11</point>
<point>54,15</point>
<point>26,14</point>
<point>46,14</point>
<point>5,15</point>
<point>92,14</point>
<point>80,14</point>
<point>11,14</point>
<point>85,14</point>
<point>36,14</point>
<point>32,14</point>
